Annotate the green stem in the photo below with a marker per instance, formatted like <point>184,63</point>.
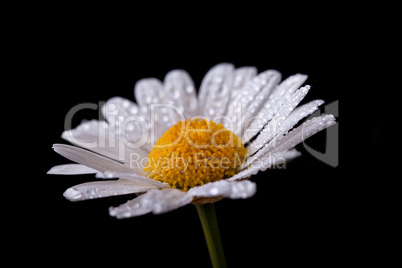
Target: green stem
<point>209,224</point>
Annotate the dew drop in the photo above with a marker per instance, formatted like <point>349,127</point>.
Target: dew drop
<point>126,214</point>
<point>133,110</point>
<point>176,94</point>
<point>126,103</point>
<point>108,174</point>
<point>214,191</point>
<point>218,79</point>
<point>111,107</point>
<point>189,89</point>
<point>165,118</point>
<point>148,99</point>
<point>130,127</point>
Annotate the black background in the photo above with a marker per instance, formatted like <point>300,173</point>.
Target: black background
<point>303,214</point>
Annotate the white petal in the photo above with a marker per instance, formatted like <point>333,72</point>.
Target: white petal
<point>149,94</point>
<point>298,114</point>
<point>269,159</point>
<point>132,177</point>
<point>89,134</point>
<point>89,159</point>
<point>271,129</point>
<point>279,96</point>
<point>109,143</point>
<point>109,168</point>
<point>105,139</point>
<point>261,88</point>
<point>155,201</point>
<point>283,143</point>
<point>234,190</point>
<point>71,169</point>
<point>240,79</point>
<point>99,189</point>
<point>180,89</point>
<point>126,123</point>
<point>241,76</point>
<point>214,92</point>
<point>306,130</point>
<point>251,96</point>
<point>264,162</point>
<point>148,91</point>
<point>118,106</point>
<point>285,89</point>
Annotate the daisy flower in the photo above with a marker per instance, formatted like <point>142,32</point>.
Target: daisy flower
<point>174,147</point>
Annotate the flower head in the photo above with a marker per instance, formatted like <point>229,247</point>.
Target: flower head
<point>193,153</point>
<point>173,147</point>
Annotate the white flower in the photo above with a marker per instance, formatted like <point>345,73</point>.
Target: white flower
<point>241,100</point>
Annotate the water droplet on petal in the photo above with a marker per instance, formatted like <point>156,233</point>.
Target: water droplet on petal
<point>108,174</point>
<point>214,191</point>
<point>111,107</point>
<point>189,89</point>
<point>126,103</point>
<point>133,110</point>
<point>148,99</point>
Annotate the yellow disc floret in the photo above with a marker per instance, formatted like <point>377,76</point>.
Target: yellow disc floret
<point>195,152</point>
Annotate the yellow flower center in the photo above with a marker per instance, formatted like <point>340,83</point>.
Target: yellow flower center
<point>192,153</point>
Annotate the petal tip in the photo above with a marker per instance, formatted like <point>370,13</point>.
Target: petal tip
<point>72,194</point>
<point>112,211</point>
<point>50,171</point>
